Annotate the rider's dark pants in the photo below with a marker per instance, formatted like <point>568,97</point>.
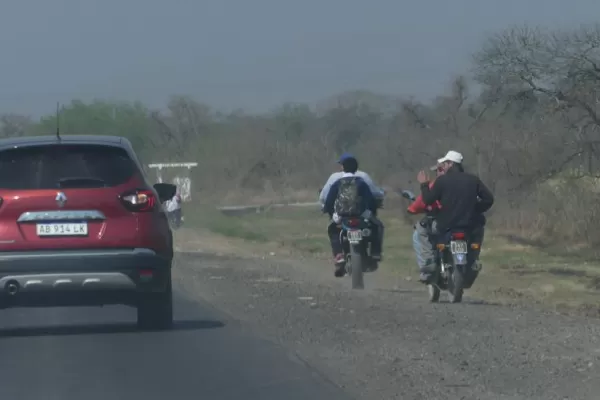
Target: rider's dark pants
<point>477,234</point>
<point>334,238</point>
<point>377,239</point>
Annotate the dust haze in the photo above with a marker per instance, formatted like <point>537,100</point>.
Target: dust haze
<point>265,95</point>
<point>252,55</point>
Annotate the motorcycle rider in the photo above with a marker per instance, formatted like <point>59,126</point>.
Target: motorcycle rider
<point>463,198</point>
<point>364,202</point>
<point>377,192</point>
<point>424,230</point>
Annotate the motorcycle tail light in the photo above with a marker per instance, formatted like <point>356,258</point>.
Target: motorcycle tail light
<point>353,222</point>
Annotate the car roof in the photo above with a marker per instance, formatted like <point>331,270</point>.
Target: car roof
<point>26,141</point>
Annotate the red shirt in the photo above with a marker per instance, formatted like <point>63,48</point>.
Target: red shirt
<point>418,207</point>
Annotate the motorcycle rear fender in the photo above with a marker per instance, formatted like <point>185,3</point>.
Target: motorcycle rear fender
<point>449,258</point>
<point>467,271</point>
<point>460,260</point>
<point>455,259</point>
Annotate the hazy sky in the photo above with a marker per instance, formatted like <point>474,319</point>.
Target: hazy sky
<point>248,53</point>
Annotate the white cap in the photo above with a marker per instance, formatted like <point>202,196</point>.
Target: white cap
<point>453,156</point>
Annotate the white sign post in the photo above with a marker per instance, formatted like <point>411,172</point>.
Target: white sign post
<point>184,183</point>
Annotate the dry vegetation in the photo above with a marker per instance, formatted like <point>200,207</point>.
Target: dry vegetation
<point>532,134</point>
<point>514,273</point>
<point>526,120</point>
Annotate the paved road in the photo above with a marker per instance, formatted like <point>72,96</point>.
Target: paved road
<point>383,343</point>
<point>96,353</point>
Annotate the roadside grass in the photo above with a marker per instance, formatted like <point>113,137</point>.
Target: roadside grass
<point>513,272</point>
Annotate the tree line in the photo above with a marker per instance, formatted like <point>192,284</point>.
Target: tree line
<point>526,117</point>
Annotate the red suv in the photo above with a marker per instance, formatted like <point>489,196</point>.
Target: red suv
<point>80,225</point>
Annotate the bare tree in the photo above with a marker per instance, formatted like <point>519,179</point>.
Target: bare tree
<point>553,76</point>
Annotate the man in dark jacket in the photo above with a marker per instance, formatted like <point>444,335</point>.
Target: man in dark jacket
<point>367,204</point>
<point>463,198</point>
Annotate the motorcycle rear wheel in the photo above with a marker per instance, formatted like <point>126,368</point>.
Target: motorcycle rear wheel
<point>455,287</point>
<point>357,274</point>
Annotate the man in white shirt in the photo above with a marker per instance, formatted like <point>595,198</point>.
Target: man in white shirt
<point>378,193</point>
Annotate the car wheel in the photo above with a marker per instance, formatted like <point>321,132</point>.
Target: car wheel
<point>155,310</point>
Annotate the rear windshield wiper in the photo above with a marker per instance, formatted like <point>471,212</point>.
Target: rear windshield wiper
<point>78,182</point>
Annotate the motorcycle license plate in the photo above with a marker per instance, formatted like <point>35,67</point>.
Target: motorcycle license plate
<point>354,236</point>
<point>458,247</point>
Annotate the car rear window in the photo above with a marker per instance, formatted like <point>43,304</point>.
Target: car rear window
<point>65,166</point>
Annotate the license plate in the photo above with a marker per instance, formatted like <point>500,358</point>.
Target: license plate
<point>354,236</point>
<point>458,247</point>
<point>77,229</point>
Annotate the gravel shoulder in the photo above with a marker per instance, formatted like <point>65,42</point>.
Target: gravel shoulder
<point>388,342</point>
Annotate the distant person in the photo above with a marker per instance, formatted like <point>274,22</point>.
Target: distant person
<point>349,196</point>
<point>377,192</point>
<point>463,199</point>
<point>173,208</point>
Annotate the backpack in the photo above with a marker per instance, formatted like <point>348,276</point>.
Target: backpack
<point>348,202</point>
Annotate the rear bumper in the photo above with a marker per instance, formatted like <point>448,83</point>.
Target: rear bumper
<point>82,271</point>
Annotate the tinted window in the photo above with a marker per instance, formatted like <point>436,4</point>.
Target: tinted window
<point>64,166</point>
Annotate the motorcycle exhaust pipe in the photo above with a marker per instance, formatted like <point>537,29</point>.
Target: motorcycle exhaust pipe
<point>12,288</point>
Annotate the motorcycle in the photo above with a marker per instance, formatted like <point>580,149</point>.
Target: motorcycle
<point>456,264</point>
<point>355,236</point>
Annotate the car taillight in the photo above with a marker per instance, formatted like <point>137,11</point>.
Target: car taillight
<point>458,236</point>
<point>139,200</point>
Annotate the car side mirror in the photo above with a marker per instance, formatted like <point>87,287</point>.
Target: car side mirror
<point>165,191</point>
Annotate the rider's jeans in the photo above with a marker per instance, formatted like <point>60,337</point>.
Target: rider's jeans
<point>424,249</point>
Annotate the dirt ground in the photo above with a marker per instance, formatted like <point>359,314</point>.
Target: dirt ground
<point>514,272</point>
<point>388,342</point>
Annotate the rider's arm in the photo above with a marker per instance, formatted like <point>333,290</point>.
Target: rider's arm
<point>486,197</point>
<point>327,187</point>
<point>377,191</point>
<point>417,206</point>
<point>432,193</point>
<point>330,199</point>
